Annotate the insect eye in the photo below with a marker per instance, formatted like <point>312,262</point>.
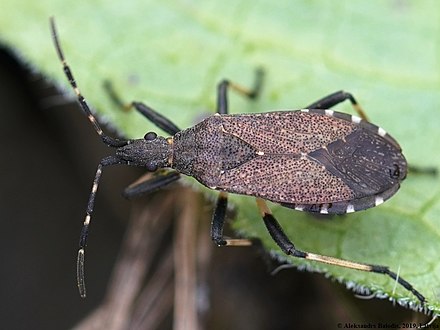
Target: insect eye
<point>150,136</point>
<point>151,167</point>
<point>395,173</point>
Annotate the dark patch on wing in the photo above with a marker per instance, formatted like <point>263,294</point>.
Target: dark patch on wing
<point>365,162</point>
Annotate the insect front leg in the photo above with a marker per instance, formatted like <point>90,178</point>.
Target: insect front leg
<point>218,221</point>
<point>162,179</point>
<point>152,115</point>
<point>156,118</point>
<point>222,91</point>
<point>281,239</point>
<point>331,100</point>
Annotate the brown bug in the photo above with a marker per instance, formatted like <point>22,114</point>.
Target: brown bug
<point>314,160</point>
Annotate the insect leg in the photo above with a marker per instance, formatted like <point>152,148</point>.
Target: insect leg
<point>152,115</point>
<point>111,160</point>
<point>82,101</point>
<point>218,221</point>
<point>428,170</point>
<point>331,100</point>
<point>156,118</point>
<point>277,234</point>
<point>222,91</point>
<point>148,186</point>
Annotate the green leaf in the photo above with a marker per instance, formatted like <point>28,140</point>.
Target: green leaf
<point>171,54</point>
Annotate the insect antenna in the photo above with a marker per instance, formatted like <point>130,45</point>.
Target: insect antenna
<point>82,101</point>
<point>111,160</point>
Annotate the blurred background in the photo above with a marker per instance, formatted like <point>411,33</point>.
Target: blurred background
<point>47,168</point>
<point>150,262</point>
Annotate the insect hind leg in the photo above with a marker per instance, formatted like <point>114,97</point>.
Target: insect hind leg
<point>281,239</point>
<point>333,99</point>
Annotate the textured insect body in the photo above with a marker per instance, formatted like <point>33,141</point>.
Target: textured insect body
<point>311,160</point>
<point>316,160</point>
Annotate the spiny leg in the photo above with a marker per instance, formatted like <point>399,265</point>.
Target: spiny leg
<point>148,186</point>
<point>277,234</point>
<point>222,91</point>
<point>331,100</point>
<point>82,101</point>
<point>152,115</point>
<point>218,221</point>
<point>111,160</point>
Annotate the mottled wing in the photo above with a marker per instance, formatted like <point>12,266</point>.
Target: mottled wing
<point>284,178</point>
<point>287,132</point>
<point>305,159</point>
